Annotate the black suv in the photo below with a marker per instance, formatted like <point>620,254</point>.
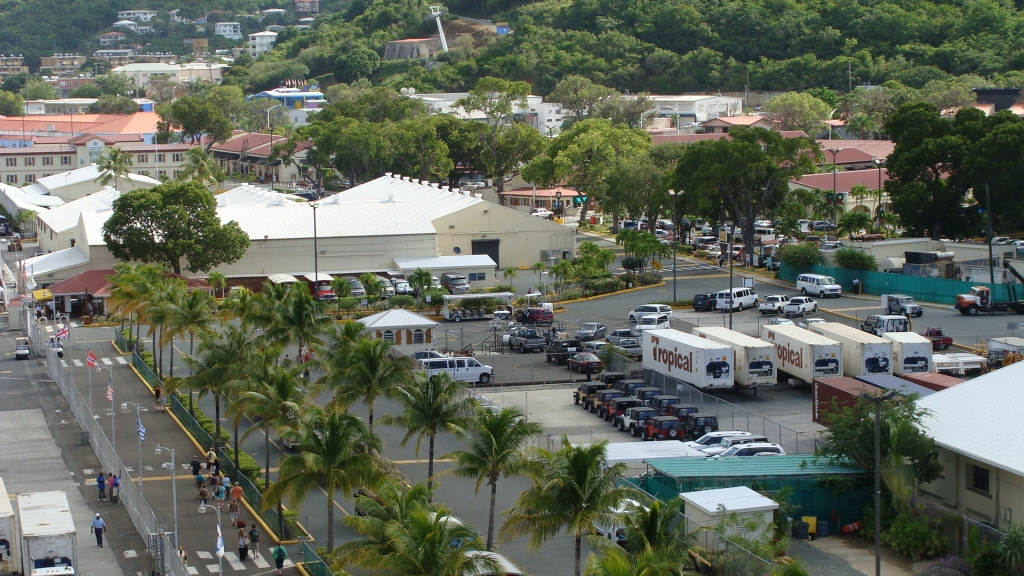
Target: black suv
<point>698,424</point>
<point>560,350</point>
<point>629,385</point>
<point>704,302</point>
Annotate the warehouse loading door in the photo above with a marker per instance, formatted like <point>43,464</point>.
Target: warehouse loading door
<point>488,247</point>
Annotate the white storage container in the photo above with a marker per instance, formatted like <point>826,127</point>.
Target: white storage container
<point>48,539</point>
<point>863,353</point>
<point>754,359</point>
<point>911,353</point>
<point>803,354</point>
<point>697,361</point>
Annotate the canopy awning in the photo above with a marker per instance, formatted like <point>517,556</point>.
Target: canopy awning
<point>282,278</point>
<point>42,295</point>
<point>318,277</point>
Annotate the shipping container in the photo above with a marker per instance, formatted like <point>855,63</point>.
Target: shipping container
<point>697,361</point>
<point>803,354</point>
<point>903,387</point>
<point>753,358</point>
<point>932,380</point>
<point>831,394</point>
<point>48,539</point>
<point>911,352</point>
<point>10,551</point>
<point>863,353</point>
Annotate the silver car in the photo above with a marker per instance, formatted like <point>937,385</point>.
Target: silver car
<point>591,331</point>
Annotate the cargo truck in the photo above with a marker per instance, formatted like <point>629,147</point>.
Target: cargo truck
<point>699,362</point>
<point>830,395</point>
<point>911,352</point>
<point>10,552</point>
<point>802,354</point>
<point>48,539</point>
<point>753,360</point>
<point>863,353</point>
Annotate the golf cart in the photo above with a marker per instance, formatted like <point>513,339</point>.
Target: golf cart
<point>22,349</point>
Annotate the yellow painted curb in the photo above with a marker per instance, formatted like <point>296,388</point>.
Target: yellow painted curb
<point>626,291</point>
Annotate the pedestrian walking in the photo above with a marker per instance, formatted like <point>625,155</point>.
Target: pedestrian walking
<point>233,509</point>
<point>101,483</point>
<point>115,488</point>
<point>216,467</point>
<point>204,496</point>
<point>97,528</point>
<point>221,495</point>
<point>200,480</point>
<point>243,545</point>
<point>211,455</point>
<point>196,465</point>
<point>280,554</point>
<point>226,482</point>
<point>236,492</point>
<point>159,399</point>
<point>254,541</point>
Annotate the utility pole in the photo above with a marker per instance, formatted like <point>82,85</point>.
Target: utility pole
<point>988,236</point>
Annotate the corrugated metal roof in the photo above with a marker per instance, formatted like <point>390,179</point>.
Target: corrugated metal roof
<point>28,200</point>
<point>92,222</point>
<point>65,216</point>
<point>768,466</point>
<point>397,318</point>
<point>88,174</point>
<point>249,194</point>
<point>55,261</point>
<point>648,451</point>
<point>45,513</point>
<point>461,261</point>
<point>987,407</point>
<point>735,499</point>
<point>279,221</point>
<point>433,201</point>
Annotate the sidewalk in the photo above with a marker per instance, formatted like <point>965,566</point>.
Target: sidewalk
<point>197,532</point>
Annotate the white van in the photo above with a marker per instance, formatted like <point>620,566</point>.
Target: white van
<point>739,299</point>
<point>464,369</point>
<point>652,322</point>
<point>818,285</point>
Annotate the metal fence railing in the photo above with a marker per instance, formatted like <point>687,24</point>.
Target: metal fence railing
<point>145,371</point>
<point>159,537</point>
<point>121,341</point>
<point>730,416</point>
<point>312,562</point>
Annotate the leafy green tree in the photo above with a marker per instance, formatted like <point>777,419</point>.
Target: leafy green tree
<point>114,165</point>
<point>86,91</point>
<point>352,65</point>
<point>800,256</point>
<point>854,259</point>
<point>416,149</point>
<point>826,95</point>
<point>464,141</point>
<point>798,111</point>
<point>38,89</point>
<point>336,452</point>
<point>431,405</point>
<point>170,222</point>
<point>115,84</point>
<point>198,119</point>
<point>294,319</point>
<point>572,489</point>
<point>190,314</point>
<point>11,104</point>
<point>506,144</point>
<point>275,402</point>
<point>623,111</point>
<point>861,124</point>
<point>495,444</point>
<point>578,94</point>
<point>994,161</point>
<point>854,221</point>
<point>107,104</point>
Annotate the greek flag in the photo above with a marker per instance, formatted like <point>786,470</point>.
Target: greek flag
<point>219,550</point>
<point>141,430</point>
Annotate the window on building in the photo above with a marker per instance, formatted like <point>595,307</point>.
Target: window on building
<point>176,157</point>
<point>30,161</point>
<point>161,173</point>
<point>65,160</point>
<point>979,479</point>
<point>417,336</point>
<point>176,172</point>
<point>12,178</point>
<point>30,178</point>
<point>12,161</point>
<point>143,158</point>
<point>47,160</point>
<point>389,336</point>
<point>477,276</point>
<point>160,158</point>
<point>144,172</point>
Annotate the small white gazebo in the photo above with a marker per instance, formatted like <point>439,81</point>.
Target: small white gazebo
<point>407,331</point>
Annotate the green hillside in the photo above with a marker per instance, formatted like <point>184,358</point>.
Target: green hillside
<point>669,46</point>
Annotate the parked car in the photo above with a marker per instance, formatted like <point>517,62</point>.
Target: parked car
<point>527,339</point>
<point>595,346</point>
<point>879,324</point>
<point>455,283</point>
<point>585,391</point>
<point>591,331</point>
<point>645,393</point>
<point>22,349</point>
<point>681,411</point>
<point>802,305</point>
<point>542,213</point>
<point>629,385</point>
<point>901,304</point>
<point>731,441</point>
<point>618,407</point>
<point>401,286</point>
<point>647,309</point>
<point>662,428</point>
<point>939,340</point>
<point>753,449</point>
<point>633,419</point>
<point>704,302</point>
<point>357,288</point>
<point>699,424</point>
<point>631,347</point>
<point>777,321</point>
<point>535,315</point>
<point>818,284</point>
<point>561,349</point>
<point>585,362</point>
<point>808,322</point>
<point>600,400</point>
<point>651,322</point>
<point>619,334</point>
<point>773,304</point>
<point>661,402</point>
<point>737,299</point>
<point>713,438</point>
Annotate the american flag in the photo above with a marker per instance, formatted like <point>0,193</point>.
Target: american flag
<point>110,389</point>
<point>90,360</point>
<point>63,332</point>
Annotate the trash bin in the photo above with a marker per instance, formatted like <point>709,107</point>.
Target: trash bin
<point>822,528</point>
<point>856,286</point>
<point>800,530</point>
<point>812,526</point>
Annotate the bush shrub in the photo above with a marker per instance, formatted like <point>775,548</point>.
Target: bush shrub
<point>684,249</point>
<point>854,259</point>
<point>803,255</point>
<point>632,263</point>
<point>914,536</point>
<point>246,463</point>
<point>503,288</point>
<point>702,253</point>
<point>950,562</point>
<point>348,304</point>
<point>403,301</point>
<point>648,278</point>
<point>602,286</point>
<point>571,294</point>
<point>382,305</point>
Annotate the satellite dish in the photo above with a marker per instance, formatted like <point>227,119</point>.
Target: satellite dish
<point>457,250</point>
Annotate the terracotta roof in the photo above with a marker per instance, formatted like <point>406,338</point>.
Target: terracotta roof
<point>844,181</point>
<point>136,123</point>
<point>541,192</point>
<point>687,138</point>
<point>793,133</point>
<point>875,148</point>
<point>242,140</point>
<point>738,120</point>
<point>97,284</point>
<point>845,155</point>
<point>106,138</point>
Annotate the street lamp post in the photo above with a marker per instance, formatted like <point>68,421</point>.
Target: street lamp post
<point>878,399</point>
<point>675,241</point>
<point>174,487</point>
<point>835,172</point>
<point>878,165</point>
<point>558,199</point>
<point>316,254</point>
<point>141,434</point>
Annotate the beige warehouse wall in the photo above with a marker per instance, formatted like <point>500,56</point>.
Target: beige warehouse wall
<point>522,236</point>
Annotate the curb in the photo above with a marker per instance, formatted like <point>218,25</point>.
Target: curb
<point>626,291</point>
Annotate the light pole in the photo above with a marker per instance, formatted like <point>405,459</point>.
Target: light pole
<point>835,172</point>
<point>675,241</point>
<point>316,254</point>
<point>174,486</point>
<point>878,472</point>
<point>142,435</point>
<point>220,536</point>
<point>558,199</point>
<point>270,127</point>
<point>732,231</point>
<point>878,165</point>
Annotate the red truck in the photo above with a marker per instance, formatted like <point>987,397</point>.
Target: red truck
<point>939,340</point>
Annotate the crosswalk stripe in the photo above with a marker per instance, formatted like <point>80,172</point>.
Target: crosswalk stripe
<point>212,568</point>
<point>260,562</point>
<point>64,363</point>
<point>121,360</point>
<point>106,361</point>
<point>77,362</point>
<point>233,561</point>
<point>130,554</point>
<point>204,555</point>
<point>192,569</point>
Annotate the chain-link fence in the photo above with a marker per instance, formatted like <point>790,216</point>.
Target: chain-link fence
<point>957,528</point>
<point>122,343</point>
<point>145,371</point>
<point>312,562</point>
<point>730,416</point>
<point>158,536</point>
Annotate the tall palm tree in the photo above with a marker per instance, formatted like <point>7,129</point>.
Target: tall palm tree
<point>495,447</point>
<point>614,561</point>
<point>298,319</point>
<point>655,527</point>
<point>420,280</point>
<point>273,399</point>
<point>191,313</point>
<point>389,502</point>
<point>372,373</point>
<point>217,280</point>
<point>125,297</point>
<point>422,546</point>
<point>510,274</point>
<point>371,283</point>
<point>200,165</point>
<point>430,405</point>
<point>113,165</point>
<point>572,490</point>
<point>157,311</point>
<point>336,451</point>
<point>220,360</point>
<point>342,289</point>
<point>333,359</point>
<point>539,268</point>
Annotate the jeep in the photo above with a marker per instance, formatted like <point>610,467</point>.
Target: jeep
<point>901,304</point>
<point>699,424</point>
<point>612,377</point>
<point>681,411</point>
<point>599,401</point>
<point>662,428</point>
<point>633,419</point>
<point>661,402</point>
<point>630,385</point>
<point>618,407</point>
<point>586,390</point>
<point>645,393</point>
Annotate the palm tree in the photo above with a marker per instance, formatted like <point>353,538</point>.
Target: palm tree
<point>420,280</point>
<point>539,268</point>
<point>390,502</point>
<point>495,444</point>
<point>220,360</point>
<point>861,123</point>
<point>422,546</point>
<point>614,561</point>
<point>431,404</point>
<point>336,451</point>
<point>113,165</point>
<point>572,489</point>
<point>333,360</point>
<point>855,220</point>
<point>125,294</point>
<point>342,289</point>
<point>372,285</point>
<point>273,402</point>
<point>297,319</point>
<point>191,313</point>
<point>563,272</point>
<point>510,274</point>
<point>200,165</point>
<point>217,280</point>
<point>372,372</point>
<point>158,304</point>
<point>655,527</point>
